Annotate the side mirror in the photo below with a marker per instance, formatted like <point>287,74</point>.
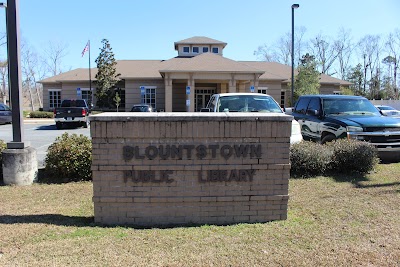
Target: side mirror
<point>205,110</point>
<point>312,112</point>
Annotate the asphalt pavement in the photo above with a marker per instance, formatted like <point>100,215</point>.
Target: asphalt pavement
<point>40,134</point>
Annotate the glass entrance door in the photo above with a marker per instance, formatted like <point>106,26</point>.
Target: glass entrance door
<point>202,96</point>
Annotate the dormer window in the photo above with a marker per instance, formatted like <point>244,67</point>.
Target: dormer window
<point>186,49</point>
<point>195,49</point>
<point>205,49</point>
<point>215,50</point>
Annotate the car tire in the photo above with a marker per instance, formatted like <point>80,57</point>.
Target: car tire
<point>328,138</point>
<point>86,124</point>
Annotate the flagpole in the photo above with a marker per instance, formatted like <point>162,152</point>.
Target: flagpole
<point>90,78</point>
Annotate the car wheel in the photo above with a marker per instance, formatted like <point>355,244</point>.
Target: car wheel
<point>328,138</point>
<point>58,125</point>
<point>85,124</point>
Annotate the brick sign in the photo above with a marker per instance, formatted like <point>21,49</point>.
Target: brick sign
<point>190,168</point>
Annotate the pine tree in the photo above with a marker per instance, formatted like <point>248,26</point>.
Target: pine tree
<point>307,79</point>
<point>107,76</point>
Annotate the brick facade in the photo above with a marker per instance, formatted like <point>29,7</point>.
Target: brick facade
<point>190,168</point>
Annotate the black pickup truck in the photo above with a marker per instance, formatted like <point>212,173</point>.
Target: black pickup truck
<point>323,118</point>
<point>72,112</point>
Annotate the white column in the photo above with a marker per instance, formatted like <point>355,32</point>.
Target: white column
<point>168,93</point>
<point>232,84</point>
<point>190,96</point>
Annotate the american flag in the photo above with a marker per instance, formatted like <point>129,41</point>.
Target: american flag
<point>86,48</point>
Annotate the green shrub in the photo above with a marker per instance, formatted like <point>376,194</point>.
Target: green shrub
<point>352,156</point>
<point>41,114</point>
<point>2,147</point>
<point>69,159</point>
<point>25,113</point>
<point>309,159</point>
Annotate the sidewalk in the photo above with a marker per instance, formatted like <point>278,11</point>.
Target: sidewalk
<point>38,120</point>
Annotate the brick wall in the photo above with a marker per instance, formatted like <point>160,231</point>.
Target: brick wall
<point>190,168</point>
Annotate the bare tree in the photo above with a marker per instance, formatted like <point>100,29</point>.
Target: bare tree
<point>4,80</point>
<point>54,54</point>
<point>299,44</point>
<point>344,48</point>
<point>3,39</point>
<point>284,48</point>
<point>32,71</point>
<point>265,53</point>
<point>281,50</point>
<point>370,48</point>
<point>325,52</point>
<point>393,47</point>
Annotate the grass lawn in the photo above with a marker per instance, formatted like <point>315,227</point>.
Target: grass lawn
<point>333,221</point>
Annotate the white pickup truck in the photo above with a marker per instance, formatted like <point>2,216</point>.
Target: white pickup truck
<point>250,102</point>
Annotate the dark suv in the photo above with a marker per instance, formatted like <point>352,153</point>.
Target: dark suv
<point>324,118</point>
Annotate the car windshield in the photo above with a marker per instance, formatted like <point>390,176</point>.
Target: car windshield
<point>4,107</point>
<point>248,103</point>
<point>73,103</point>
<point>386,108</point>
<point>349,107</point>
<point>140,109</point>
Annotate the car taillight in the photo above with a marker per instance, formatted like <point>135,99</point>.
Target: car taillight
<point>83,112</point>
<point>54,111</point>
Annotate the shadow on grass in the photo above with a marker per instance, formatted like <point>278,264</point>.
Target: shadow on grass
<point>55,219</point>
<point>358,180</point>
<point>82,221</point>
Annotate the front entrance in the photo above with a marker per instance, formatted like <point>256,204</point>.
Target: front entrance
<point>202,96</point>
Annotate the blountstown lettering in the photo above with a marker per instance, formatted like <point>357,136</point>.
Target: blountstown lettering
<point>200,152</point>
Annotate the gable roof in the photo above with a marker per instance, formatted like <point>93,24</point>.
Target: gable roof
<point>129,69</point>
<point>207,62</point>
<point>199,40</point>
<point>278,71</point>
<point>76,75</point>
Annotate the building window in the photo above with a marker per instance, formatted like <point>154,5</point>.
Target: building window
<point>262,90</point>
<point>54,98</point>
<point>205,49</point>
<point>87,95</point>
<point>186,49</point>
<point>121,94</point>
<point>201,97</point>
<point>149,96</point>
<point>215,50</point>
<point>283,96</point>
<point>195,49</point>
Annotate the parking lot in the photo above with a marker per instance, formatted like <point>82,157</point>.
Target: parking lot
<point>40,134</point>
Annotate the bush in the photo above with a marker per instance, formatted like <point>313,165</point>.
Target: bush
<point>2,147</point>
<point>309,159</point>
<point>69,159</point>
<point>351,156</point>
<point>41,114</point>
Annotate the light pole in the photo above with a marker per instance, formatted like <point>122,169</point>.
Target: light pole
<point>14,72</point>
<point>294,6</point>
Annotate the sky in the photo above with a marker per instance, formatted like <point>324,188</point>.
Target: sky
<point>147,29</point>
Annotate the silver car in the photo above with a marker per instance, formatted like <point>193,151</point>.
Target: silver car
<point>5,114</point>
<point>388,111</point>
